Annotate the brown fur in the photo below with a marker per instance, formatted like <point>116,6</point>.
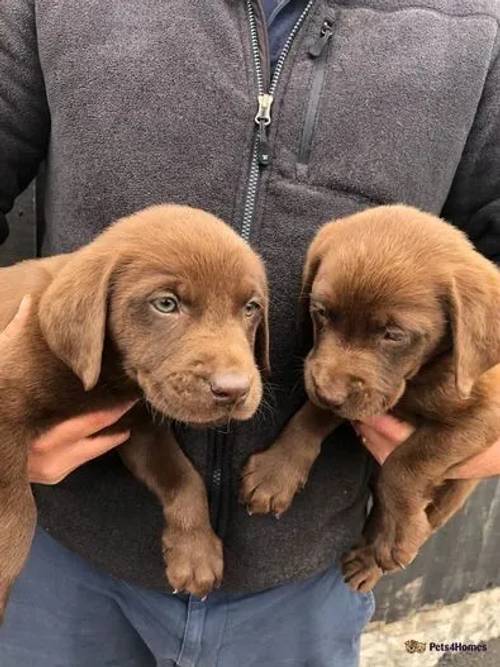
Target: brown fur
<point>94,339</point>
<point>406,319</point>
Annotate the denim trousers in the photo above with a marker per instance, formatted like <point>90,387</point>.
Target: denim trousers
<point>65,613</point>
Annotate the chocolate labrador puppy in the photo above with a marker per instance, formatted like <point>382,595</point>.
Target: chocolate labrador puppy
<point>168,306</point>
<point>406,319</point>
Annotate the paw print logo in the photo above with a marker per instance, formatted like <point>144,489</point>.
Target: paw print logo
<point>413,646</point>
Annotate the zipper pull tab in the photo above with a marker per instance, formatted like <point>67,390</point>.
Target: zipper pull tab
<point>263,119</point>
<point>263,153</point>
<point>317,47</point>
<point>264,112</point>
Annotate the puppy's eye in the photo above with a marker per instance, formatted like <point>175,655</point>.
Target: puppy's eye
<point>251,308</point>
<point>393,335</point>
<point>165,304</point>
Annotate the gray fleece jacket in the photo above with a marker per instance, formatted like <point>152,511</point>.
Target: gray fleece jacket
<point>133,103</point>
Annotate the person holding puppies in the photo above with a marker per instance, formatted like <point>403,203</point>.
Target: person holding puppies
<point>276,118</point>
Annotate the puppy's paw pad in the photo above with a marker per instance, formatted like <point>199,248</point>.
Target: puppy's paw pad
<point>194,561</point>
<point>269,484</point>
<point>360,569</point>
<point>402,556</point>
<point>393,556</point>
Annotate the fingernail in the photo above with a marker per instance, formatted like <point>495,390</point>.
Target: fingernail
<point>249,512</point>
<point>123,408</point>
<point>23,307</point>
<point>25,302</point>
<point>175,591</point>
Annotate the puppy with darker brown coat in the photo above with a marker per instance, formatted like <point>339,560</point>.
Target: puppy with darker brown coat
<point>406,319</point>
<point>168,306</point>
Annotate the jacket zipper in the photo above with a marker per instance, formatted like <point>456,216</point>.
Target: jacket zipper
<point>219,459</point>
<point>215,452</point>
<point>318,52</point>
<point>261,155</point>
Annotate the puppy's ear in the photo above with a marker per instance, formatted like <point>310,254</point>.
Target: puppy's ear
<point>315,253</point>
<point>474,308</point>
<point>73,312</point>
<point>262,343</point>
<point>312,263</point>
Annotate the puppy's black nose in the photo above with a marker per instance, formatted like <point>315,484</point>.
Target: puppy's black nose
<point>230,388</point>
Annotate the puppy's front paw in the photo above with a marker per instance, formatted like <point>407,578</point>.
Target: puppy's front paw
<point>398,548</point>
<point>393,555</point>
<point>270,482</point>
<point>194,560</point>
<point>360,569</point>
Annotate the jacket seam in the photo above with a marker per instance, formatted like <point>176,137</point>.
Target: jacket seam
<point>494,61</point>
<point>354,194</point>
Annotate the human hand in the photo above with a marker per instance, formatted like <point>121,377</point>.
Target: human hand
<point>65,447</point>
<point>485,464</point>
<point>70,444</point>
<point>381,435</point>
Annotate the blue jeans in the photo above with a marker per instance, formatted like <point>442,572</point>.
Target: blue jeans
<point>64,613</point>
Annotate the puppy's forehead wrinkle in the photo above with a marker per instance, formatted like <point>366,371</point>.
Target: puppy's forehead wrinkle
<point>197,264</point>
<point>186,240</point>
<point>360,291</point>
<point>362,267</point>
<point>192,275</point>
<point>400,234</point>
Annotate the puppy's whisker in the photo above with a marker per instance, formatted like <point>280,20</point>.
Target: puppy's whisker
<point>223,430</point>
<point>270,390</point>
<point>296,387</point>
<point>265,412</point>
<point>271,385</point>
<point>158,418</point>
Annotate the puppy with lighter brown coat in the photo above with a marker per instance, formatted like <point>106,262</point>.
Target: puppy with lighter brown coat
<point>168,306</point>
<point>406,319</point>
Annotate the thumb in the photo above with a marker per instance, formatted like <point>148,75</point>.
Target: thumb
<point>389,427</point>
<point>17,323</point>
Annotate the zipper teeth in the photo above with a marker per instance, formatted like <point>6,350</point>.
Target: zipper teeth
<point>253,177</point>
<point>253,180</point>
<point>286,48</point>
<point>254,39</point>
